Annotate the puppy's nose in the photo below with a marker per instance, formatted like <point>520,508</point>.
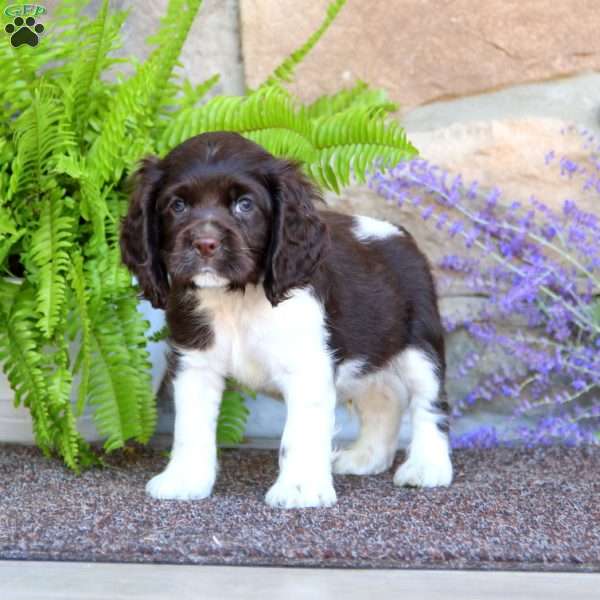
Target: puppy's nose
<point>206,246</point>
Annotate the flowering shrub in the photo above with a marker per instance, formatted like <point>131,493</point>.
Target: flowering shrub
<point>540,272</point>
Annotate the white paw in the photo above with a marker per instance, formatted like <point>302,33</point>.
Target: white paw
<point>301,494</point>
<point>421,473</point>
<point>179,485</point>
<point>361,461</point>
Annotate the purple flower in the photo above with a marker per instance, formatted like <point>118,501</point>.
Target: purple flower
<point>568,167</point>
<point>539,269</point>
<point>482,437</point>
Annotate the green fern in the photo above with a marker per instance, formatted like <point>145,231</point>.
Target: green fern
<point>359,95</point>
<point>20,351</point>
<point>232,418</point>
<point>66,436</point>
<point>191,95</point>
<point>134,339</point>
<point>335,147</point>
<point>352,142</point>
<point>169,41</point>
<point>113,381</point>
<point>83,364</point>
<point>50,244</point>
<point>98,37</point>
<point>269,112</point>
<point>285,71</point>
<point>40,136</point>
<point>69,137</point>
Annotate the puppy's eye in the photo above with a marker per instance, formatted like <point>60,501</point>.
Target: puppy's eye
<point>178,205</point>
<point>243,205</point>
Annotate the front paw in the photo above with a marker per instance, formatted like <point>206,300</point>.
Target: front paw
<point>179,485</point>
<point>418,472</point>
<point>292,493</point>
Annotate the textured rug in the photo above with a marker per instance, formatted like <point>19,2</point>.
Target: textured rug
<point>508,509</point>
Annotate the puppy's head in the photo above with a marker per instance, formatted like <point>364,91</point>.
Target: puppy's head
<point>220,211</point>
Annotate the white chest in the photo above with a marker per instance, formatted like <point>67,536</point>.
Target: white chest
<point>260,345</point>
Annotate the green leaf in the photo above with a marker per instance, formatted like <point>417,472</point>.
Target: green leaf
<point>285,71</point>
<point>193,94</point>
<point>113,386</point>
<point>22,357</point>
<point>98,37</point>
<point>232,418</point>
<point>40,133</point>
<point>81,299</point>
<point>7,225</point>
<point>359,95</point>
<point>49,252</point>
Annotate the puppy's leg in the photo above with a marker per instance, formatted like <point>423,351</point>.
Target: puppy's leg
<point>192,467</point>
<point>305,455</point>
<point>428,462</point>
<point>379,407</point>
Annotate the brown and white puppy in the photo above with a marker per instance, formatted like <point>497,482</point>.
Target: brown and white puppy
<point>314,306</point>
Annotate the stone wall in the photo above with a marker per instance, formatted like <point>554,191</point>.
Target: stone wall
<point>486,88</point>
<point>425,51</point>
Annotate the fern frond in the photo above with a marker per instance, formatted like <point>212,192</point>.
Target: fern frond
<point>174,29</point>
<point>136,342</point>
<point>120,385</point>
<point>159,335</point>
<point>8,292</point>
<point>49,252</point>
<point>21,71</point>
<point>83,363</point>
<point>125,133</point>
<point>358,95</point>
<point>284,143</point>
<point>334,148</point>
<point>351,142</point>
<point>105,272</point>
<point>22,356</point>
<point>285,71</point>
<point>269,110</point>
<point>40,134</point>
<point>98,37</point>
<point>112,387</point>
<point>191,95</point>
<point>7,224</point>
<point>92,200</point>
<point>233,415</point>
<point>65,435</point>
<point>120,142</point>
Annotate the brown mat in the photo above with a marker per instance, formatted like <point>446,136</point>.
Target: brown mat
<point>508,508</point>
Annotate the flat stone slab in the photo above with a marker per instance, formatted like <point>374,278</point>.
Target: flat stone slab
<point>508,509</point>
<point>423,52</point>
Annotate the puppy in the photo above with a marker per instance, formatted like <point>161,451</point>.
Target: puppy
<point>317,307</point>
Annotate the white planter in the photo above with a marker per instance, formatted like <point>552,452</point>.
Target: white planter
<point>15,423</point>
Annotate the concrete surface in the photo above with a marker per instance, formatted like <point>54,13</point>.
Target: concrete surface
<point>97,581</point>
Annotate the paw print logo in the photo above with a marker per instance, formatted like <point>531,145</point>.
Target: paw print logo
<point>24,32</point>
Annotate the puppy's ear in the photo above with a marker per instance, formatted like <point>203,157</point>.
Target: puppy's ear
<point>140,234</point>
<point>299,238</point>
